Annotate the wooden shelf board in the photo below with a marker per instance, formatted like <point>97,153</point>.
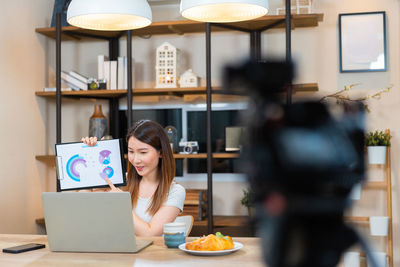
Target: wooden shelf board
<point>219,221</point>
<point>135,92</point>
<point>48,159</point>
<point>185,26</point>
<point>204,156</point>
<point>375,185</point>
<point>88,93</point>
<point>306,87</point>
<point>356,219</point>
<point>225,221</point>
<point>190,156</point>
<point>51,158</point>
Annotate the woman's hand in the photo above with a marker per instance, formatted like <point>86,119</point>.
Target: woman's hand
<point>112,186</point>
<point>90,141</point>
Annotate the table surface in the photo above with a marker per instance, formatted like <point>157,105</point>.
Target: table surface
<point>155,255</point>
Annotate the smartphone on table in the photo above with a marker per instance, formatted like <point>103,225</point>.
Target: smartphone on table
<point>23,248</point>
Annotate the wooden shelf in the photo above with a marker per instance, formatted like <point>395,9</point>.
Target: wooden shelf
<point>186,26</point>
<point>204,156</point>
<point>358,219</point>
<point>48,159</point>
<point>52,158</point>
<point>219,221</point>
<point>375,185</point>
<point>135,92</point>
<point>225,221</point>
<point>306,87</point>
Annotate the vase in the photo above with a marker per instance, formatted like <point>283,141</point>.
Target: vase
<point>98,123</point>
<point>252,212</point>
<point>376,154</point>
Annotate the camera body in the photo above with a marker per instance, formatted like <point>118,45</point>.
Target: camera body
<point>302,160</point>
<point>188,147</point>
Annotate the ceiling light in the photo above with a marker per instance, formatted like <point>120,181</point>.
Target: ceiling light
<point>223,10</point>
<point>107,15</point>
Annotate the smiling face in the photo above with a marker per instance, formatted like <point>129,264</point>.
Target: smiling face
<point>143,157</point>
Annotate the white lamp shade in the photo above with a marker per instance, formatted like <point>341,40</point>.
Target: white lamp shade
<point>223,10</point>
<point>109,15</point>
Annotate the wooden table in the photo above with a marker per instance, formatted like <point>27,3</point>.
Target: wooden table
<point>155,255</point>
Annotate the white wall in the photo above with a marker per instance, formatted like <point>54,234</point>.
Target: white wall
<point>28,64</point>
<point>22,72</point>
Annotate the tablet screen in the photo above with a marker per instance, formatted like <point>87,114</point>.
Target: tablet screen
<point>80,166</point>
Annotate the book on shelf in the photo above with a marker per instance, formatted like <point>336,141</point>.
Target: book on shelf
<point>197,212</point>
<point>79,76</point>
<point>125,71</point>
<point>73,82</point>
<point>107,73</point>
<point>100,66</point>
<point>121,73</point>
<point>113,75</point>
<point>53,89</point>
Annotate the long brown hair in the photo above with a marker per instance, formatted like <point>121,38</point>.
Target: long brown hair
<point>153,134</point>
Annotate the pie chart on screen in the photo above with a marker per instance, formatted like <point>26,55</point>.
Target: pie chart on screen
<point>73,167</point>
<point>104,157</point>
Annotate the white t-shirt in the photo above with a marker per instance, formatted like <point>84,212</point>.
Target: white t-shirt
<point>175,198</point>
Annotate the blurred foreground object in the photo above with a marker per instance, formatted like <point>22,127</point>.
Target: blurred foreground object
<point>302,160</point>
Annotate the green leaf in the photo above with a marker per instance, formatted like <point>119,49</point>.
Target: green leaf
<point>377,138</point>
<point>218,234</point>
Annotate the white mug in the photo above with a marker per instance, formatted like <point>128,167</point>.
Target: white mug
<point>175,227</point>
<point>351,259</point>
<point>379,225</point>
<point>174,234</point>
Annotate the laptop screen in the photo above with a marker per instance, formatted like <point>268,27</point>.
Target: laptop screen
<point>90,222</point>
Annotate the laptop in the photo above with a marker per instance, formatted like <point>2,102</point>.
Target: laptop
<point>90,222</point>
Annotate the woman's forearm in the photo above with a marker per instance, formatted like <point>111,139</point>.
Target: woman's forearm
<point>143,228</point>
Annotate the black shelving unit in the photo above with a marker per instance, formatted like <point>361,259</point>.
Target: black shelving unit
<point>253,28</point>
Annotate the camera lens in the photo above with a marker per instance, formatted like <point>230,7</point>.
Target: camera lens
<point>188,149</point>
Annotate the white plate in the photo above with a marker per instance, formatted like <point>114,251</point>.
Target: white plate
<point>237,246</point>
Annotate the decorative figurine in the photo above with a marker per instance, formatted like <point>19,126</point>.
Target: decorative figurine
<point>189,79</point>
<point>166,66</point>
<point>297,7</point>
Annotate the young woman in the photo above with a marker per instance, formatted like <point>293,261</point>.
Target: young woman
<point>156,198</point>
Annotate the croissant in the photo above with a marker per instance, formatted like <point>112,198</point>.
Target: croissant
<point>211,243</point>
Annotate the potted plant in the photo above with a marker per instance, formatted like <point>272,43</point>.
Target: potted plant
<point>246,201</point>
<point>376,143</point>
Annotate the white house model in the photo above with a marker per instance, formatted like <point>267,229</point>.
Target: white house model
<point>297,7</point>
<point>189,79</point>
<point>166,66</point>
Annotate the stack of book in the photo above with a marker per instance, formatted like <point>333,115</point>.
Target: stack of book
<point>75,80</point>
<point>114,72</point>
<point>196,204</point>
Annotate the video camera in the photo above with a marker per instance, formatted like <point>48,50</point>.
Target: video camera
<point>301,160</point>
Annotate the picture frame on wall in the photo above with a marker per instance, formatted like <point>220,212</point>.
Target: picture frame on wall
<point>362,42</point>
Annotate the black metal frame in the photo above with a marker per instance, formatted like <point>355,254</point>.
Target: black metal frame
<point>255,52</point>
<point>113,51</point>
<point>383,13</point>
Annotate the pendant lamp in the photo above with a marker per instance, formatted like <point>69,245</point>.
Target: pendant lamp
<point>109,15</point>
<point>223,10</point>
